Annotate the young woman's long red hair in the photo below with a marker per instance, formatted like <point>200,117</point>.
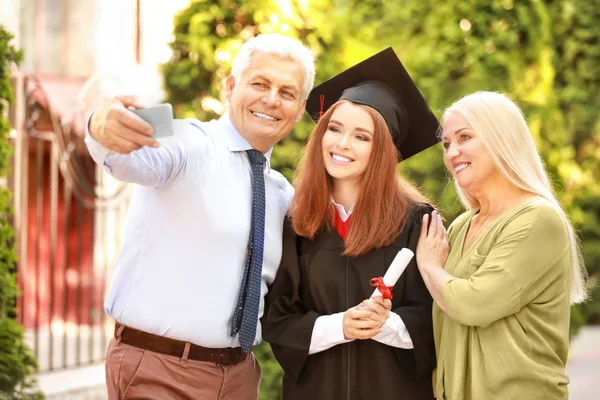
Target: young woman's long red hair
<point>383,202</point>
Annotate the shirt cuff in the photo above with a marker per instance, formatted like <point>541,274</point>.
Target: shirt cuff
<point>98,152</point>
<point>327,332</point>
<point>394,333</point>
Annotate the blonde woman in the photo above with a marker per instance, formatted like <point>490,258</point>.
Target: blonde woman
<point>505,274</point>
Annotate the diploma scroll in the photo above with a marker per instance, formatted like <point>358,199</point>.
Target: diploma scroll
<point>394,272</point>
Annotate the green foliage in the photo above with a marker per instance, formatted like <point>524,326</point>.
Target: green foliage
<point>577,62</point>
<point>16,361</point>
<point>545,54</point>
<point>17,364</point>
<point>272,374</point>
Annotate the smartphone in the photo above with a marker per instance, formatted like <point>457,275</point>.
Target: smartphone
<point>160,117</point>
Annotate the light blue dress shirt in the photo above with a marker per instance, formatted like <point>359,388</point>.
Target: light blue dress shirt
<point>179,271</point>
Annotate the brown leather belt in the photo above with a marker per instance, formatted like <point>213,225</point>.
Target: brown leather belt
<point>173,347</point>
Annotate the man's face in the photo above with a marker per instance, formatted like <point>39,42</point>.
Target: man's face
<point>267,100</point>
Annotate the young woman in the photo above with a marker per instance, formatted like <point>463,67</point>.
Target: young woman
<point>350,216</point>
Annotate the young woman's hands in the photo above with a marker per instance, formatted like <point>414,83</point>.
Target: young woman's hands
<point>366,319</point>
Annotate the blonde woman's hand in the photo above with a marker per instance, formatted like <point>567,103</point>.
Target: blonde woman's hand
<point>433,247</point>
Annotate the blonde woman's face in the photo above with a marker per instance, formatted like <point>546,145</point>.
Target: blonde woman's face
<point>465,155</point>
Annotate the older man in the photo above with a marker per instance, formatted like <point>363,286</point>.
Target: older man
<point>203,233</point>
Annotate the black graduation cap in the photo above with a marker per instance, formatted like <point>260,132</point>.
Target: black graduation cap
<point>382,82</point>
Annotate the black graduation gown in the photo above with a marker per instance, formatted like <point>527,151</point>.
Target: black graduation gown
<point>315,279</point>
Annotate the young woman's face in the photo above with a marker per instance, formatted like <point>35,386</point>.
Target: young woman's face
<point>348,142</point>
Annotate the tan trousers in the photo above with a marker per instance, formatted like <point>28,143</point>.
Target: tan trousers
<point>133,373</point>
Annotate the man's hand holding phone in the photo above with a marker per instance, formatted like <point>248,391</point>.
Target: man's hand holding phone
<point>123,130</point>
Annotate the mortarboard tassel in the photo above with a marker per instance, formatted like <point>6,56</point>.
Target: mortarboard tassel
<point>322,100</point>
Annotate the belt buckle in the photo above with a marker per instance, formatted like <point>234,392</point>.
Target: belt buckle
<point>221,360</point>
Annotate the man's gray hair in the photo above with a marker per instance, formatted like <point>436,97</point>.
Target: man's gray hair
<point>283,46</point>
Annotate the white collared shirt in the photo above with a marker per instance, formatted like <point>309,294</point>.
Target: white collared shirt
<point>342,211</point>
<point>179,271</point>
<point>328,330</point>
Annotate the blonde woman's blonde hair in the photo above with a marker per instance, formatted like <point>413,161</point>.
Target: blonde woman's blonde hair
<point>501,125</point>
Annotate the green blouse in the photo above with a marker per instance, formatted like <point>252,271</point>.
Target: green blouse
<point>506,334</point>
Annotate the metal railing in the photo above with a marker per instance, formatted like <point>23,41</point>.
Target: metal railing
<point>68,216</point>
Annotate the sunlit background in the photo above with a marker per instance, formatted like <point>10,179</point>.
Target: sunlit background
<point>77,54</point>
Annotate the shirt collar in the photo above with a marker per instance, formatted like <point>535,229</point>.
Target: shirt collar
<point>344,215</point>
<point>236,142</point>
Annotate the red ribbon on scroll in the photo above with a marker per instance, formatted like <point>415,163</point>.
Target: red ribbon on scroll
<point>386,291</point>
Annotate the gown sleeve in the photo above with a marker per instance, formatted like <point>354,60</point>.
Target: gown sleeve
<point>416,307</point>
<point>287,324</point>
